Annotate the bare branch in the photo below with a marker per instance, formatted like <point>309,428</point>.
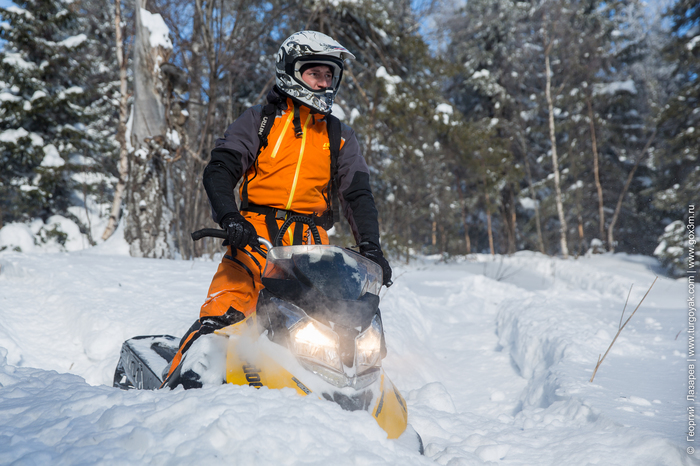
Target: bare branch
<point>600,360</point>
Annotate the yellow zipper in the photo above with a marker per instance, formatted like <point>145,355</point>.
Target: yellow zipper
<point>284,131</point>
<point>301,156</point>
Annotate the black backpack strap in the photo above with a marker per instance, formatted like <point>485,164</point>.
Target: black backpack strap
<point>334,137</point>
<point>269,112</point>
<point>298,132</point>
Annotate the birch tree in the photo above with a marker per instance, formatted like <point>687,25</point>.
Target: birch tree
<point>148,225</point>
<point>548,43</point>
<point>123,163</point>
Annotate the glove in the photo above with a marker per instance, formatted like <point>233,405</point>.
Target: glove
<point>375,254</point>
<point>240,231</point>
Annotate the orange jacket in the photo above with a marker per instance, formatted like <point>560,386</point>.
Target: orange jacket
<point>293,173</point>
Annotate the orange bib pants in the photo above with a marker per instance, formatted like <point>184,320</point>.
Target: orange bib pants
<point>236,283</point>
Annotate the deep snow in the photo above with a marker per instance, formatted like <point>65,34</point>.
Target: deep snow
<point>493,356</point>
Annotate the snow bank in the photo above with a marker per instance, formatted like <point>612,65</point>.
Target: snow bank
<point>58,419</point>
<point>16,237</point>
<point>493,356</point>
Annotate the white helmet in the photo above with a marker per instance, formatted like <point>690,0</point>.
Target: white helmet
<point>306,47</point>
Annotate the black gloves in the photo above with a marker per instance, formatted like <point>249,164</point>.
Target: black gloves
<point>240,231</point>
<point>374,253</point>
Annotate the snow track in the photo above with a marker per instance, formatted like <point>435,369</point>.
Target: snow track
<point>492,355</point>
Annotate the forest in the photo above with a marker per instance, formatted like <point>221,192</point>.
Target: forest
<point>490,126</point>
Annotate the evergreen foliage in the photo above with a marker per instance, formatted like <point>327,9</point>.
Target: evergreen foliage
<point>56,111</point>
<point>450,111</point>
<point>679,157</point>
<point>671,250</point>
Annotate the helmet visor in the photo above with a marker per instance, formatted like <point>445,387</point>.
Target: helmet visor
<point>334,64</point>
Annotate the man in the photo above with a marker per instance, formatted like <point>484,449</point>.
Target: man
<point>285,172</point>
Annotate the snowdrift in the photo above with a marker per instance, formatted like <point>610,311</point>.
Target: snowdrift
<point>493,355</point>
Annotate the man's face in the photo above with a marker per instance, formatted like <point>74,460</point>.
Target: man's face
<point>318,77</point>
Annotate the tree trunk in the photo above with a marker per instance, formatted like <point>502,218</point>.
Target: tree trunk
<point>613,221</point>
<point>509,218</point>
<point>490,230</point>
<point>579,217</point>
<point>115,212</point>
<point>596,171</point>
<point>149,219</point>
<point>467,240</point>
<point>555,161</point>
<point>533,196</point>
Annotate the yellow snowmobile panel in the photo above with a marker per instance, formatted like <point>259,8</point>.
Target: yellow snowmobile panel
<point>260,370</point>
<point>390,409</point>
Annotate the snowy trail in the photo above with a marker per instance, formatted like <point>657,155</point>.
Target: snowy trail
<point>493,357</point>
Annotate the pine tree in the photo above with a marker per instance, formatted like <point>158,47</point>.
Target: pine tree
<point>680,121</point>
<point>392,99</point>
<point>54,111</point>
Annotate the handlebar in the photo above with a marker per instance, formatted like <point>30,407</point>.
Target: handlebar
<point>216,233</point>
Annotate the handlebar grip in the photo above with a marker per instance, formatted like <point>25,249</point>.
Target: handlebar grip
<point>208,232</point>
<point>216,233</point>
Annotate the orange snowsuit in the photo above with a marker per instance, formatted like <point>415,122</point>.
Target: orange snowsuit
<point>291,174</point>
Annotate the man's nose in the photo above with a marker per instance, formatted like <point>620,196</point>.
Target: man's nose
<point>326,82</point>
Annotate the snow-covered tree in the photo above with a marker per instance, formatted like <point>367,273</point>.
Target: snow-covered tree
<point>55,109</point>
<point>679,157</point>
<point>672,251</point>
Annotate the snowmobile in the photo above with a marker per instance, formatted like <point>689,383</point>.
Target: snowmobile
<point>317,329</point>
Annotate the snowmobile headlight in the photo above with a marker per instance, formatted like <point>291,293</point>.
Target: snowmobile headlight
<point>314,340</point>
<point>368,346</point>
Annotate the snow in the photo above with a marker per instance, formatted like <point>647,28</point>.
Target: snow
<point>19,11</point>
<point>70,90</point>
<point>615,87</point>
<point>73,41</point>
<point>158,29</point>
<point>52,158</point>
<point>17,235</point>
<point>390,80</point>
<point>36,139</point>
<point>493,356</point>
<point>354,113</point>
<point>7,97</point>
<point>338,112</point>
<point>528,203</point>
<point>16,60</point>
<point>446,110</point>
<point>13,135</point>
<point>173,137</point>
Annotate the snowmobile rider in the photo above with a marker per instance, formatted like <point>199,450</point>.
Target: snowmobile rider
<point>286,172</point>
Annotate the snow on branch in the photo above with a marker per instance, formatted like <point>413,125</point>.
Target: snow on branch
<point>20,11</point>
<point>615,87</point>
<point>73,41</point>
<point>16,60</point>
